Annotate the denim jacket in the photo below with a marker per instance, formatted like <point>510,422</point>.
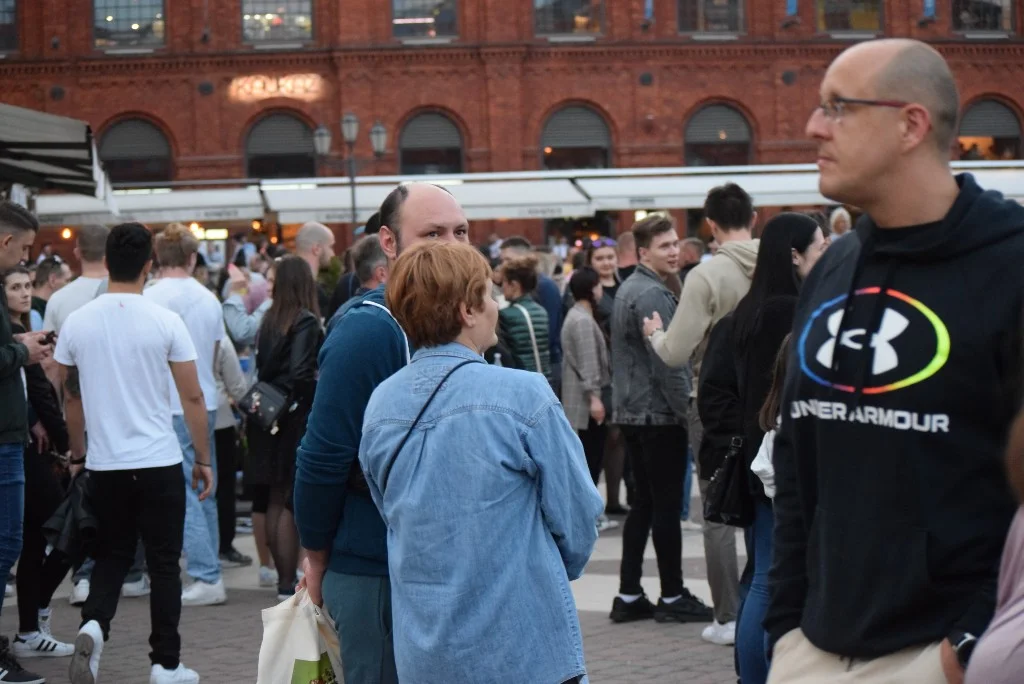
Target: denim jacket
<point>490,512</point>
<point>645,391</point>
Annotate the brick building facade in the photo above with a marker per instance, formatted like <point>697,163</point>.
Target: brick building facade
<point>193,89</point>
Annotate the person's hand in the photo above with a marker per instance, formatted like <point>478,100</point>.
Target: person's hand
<point>950,665</point>
<point>652,324</point>
<point>37,347</point>
<point>597,409</point>
<point>204,474</point>
<point>238,278</point>
<point>42,438</point>
<point>312,580</point>
<point>75,468</point>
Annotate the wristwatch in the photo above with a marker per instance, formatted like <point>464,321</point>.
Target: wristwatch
<point>963,646</point>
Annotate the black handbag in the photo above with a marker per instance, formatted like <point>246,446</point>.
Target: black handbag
<point>728,500</point>
<point>263,404</point>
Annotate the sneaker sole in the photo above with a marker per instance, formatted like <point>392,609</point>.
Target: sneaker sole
<point>675,617</point>
<point>27,655</point>
<point>719,642</point>
<point>628,617</point>
<point>201,604</point>
<point>79,671</point>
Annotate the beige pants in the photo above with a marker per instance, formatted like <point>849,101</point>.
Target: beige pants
<point>797,661</point>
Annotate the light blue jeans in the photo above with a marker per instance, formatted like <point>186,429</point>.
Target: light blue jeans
<point>12,505</point>
<point>202,536</point>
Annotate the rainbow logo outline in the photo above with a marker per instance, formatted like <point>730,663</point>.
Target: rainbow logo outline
<point>942,345</point>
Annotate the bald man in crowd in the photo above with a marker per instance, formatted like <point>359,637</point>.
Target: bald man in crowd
<point>315,244</point>
<point>892,503</point>
<point>338,523</point>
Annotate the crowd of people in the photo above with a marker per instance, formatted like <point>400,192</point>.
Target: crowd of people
<point>423,444</point>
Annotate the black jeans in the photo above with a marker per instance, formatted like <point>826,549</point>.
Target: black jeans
<point>658,456</point>
<point>149,502</point>
<point>593,439</point>
<point>226,440</point>
<point>39,574</point>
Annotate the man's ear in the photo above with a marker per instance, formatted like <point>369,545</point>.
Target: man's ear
<point>389,242</point>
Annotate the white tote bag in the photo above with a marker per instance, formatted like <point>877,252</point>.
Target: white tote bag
<point>300,645</point>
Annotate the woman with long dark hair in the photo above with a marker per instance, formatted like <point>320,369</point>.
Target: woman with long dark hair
<point>287,344</point>
<point>39,573</point>
<point>791,244</point>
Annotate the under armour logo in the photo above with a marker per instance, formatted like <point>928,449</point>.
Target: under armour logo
<point>886,359</point>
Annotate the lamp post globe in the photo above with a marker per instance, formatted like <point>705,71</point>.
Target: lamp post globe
<point>350,128</point>
<point>322,140</point>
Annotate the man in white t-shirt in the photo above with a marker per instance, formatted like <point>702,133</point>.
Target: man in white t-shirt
<point>176,250</point>
<point>114,353</point>
<point>90,249</point>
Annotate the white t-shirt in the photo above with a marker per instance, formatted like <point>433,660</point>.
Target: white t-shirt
<point>69,299</point>
<point>122,345</point>
<point>204,319</point>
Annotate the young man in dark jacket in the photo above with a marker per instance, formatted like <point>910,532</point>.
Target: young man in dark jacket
<point>338,523</point>
<point>17,232</point>
<point>892,502</point>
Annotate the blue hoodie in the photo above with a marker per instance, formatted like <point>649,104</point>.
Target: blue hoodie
<point>364,347</point>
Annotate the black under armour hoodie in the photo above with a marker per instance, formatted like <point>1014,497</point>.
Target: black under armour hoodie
<point>893,503</point>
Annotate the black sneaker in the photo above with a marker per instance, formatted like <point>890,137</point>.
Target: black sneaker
<point>11,671</point>
<point>233,558</point>
<point>623,611</point>
<point>689,608</point>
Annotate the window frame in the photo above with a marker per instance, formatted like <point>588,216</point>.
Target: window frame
<point>127,49</point>
<point>276,43</point>
<point>400,151</point>
<point>571,36</point>
<point>171,159</point>
<point>699,34</point>
<point>16,23</point>
<point>984,33</point>
<point>848,34</point>
<point>426,40</point>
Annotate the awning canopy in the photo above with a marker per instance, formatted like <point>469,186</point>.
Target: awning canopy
<point>483,196</point>
<point>45,151</point>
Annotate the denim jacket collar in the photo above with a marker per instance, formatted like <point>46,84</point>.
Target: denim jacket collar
<point>453,349</point>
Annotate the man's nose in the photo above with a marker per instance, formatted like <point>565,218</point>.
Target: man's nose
<point>817,125</point>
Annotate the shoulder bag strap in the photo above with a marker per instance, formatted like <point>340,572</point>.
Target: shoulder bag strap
<point>533,338</point>
<point>415,422</point>
<point>408,356</point>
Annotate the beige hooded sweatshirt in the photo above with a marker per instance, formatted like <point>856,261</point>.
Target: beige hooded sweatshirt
<point>710,292</point>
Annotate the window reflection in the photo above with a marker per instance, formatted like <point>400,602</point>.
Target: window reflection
<point>710,16</point>
<point>277,20</point>
<point>424,18</point>
<point>8,25</point>
<point>849,15</point>
<point>128,23</point>
<point>986,148</point>
<point>553,17</point>
<point>563,158</point>
<point>983,15</point>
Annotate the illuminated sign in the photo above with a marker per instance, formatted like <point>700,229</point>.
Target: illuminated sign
<point>306,87</point>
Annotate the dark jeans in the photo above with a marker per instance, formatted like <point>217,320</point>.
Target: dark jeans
<point>361,608</point>
<point>593,439</point>
<point>39,574</point>
<point>12,505</point>
<point>149,502</point>
<point>226,440</point>
<point>658,456</point>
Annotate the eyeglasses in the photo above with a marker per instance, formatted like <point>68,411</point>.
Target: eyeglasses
<point>835,108</point>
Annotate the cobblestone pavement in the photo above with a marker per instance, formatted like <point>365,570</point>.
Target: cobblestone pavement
<point>223,642</point>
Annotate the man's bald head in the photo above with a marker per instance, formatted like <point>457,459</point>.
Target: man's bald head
<point>413,212</point>
<point>312,234</point>
<point>911,71</point>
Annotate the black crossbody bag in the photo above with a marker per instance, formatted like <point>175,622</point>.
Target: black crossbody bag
<point>391,461</point>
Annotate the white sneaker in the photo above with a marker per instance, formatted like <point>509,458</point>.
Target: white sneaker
<point>85,663</point>
<point>690,526</point>
<point>605,523</point>
<point>181,675</point>
<point>44,624</point>
<point>204,594</point>
<point>722,635</point>
<point>268,577</point>
<point>8,590</point>
<point>41,646</point>
<point>136,589</point>
<point>79,593</point>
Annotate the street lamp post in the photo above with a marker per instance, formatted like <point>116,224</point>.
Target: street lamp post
<point>350,134</point>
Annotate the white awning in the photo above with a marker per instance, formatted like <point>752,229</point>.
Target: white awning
<point>45,151</point>
<point>483,196</point>
<point>157,206</point>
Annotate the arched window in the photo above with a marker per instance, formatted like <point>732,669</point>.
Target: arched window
<point>430,143</point>
<point>576,138</point>
<point>135,151</point>
<point>717,135</point>
<point>280,146</point>
<point>989,130</point>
